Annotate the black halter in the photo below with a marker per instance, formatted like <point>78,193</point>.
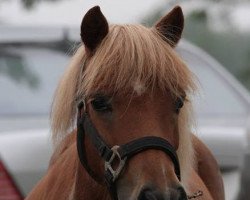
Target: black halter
<point>123,152</point>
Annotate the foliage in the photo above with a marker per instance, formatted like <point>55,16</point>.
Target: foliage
<point>15,68</point>
<point>29,4</point>
<point>230,48</point>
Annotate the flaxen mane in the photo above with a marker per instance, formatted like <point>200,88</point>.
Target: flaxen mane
<point>128,54</point>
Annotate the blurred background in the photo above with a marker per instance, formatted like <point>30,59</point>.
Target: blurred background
<point>38,37</point>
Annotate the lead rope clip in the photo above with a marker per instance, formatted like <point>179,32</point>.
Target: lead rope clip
<point>199,193</point>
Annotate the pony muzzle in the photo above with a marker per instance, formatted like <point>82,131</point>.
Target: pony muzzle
<point>152,193</point>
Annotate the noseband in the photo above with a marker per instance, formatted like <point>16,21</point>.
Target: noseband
<point>121,153</point>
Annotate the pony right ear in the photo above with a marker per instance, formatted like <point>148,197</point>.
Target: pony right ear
<point>94,28</point>
<point>171,26</point>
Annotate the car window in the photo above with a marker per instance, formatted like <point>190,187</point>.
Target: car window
<point>28,78</point>
<point>216,96</point>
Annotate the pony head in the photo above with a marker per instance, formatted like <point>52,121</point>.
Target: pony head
<point>132,81</point>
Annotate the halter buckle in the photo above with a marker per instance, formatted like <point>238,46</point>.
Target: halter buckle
<point>109,164</point>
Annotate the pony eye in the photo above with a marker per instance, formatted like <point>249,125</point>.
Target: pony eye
<point>179,104</point>
<point>101,104</point>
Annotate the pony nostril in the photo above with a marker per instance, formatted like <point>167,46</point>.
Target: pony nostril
<point>146,194</point>
<point>181,193</point>
<point>154,194</point>
<point>150,194</point>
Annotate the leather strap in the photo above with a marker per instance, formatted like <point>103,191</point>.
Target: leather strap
<point>80,144</point>
<point>151,142</point>
<point>103,149</point>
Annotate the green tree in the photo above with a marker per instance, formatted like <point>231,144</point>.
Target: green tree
<point>15,68</point>
<point>31,3</point>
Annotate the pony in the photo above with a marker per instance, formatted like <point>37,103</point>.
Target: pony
<point>128,89</point>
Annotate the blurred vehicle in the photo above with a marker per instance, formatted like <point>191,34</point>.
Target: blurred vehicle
<point>222,107</point>
<point>31,62</point>
<point>8,189</point>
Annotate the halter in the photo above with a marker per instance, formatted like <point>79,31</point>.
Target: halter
<point>121,153</point>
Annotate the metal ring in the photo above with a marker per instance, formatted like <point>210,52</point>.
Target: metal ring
<point>108,164</point>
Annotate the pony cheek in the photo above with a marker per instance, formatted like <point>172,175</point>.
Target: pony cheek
<point>175,136</point>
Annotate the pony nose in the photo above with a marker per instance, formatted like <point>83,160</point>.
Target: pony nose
<point>181,194</point>
<point>153,194</point>
<point>150,194</point>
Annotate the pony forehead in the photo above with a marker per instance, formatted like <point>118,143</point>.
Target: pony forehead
<point>135,57</point>
<point>139,87</point>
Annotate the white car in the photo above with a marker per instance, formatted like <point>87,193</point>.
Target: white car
<point>31,70</point>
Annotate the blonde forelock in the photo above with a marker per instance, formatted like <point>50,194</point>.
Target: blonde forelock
<point>132,53</point>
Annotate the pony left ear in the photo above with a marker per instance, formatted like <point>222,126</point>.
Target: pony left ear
<point>171,26</point>
<point>94,28</point>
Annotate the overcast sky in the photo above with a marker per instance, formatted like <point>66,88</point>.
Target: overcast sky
<point>70,12</point>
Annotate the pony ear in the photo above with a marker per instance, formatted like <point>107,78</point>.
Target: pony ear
<point>171,26</point>
<point>94,28</point>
